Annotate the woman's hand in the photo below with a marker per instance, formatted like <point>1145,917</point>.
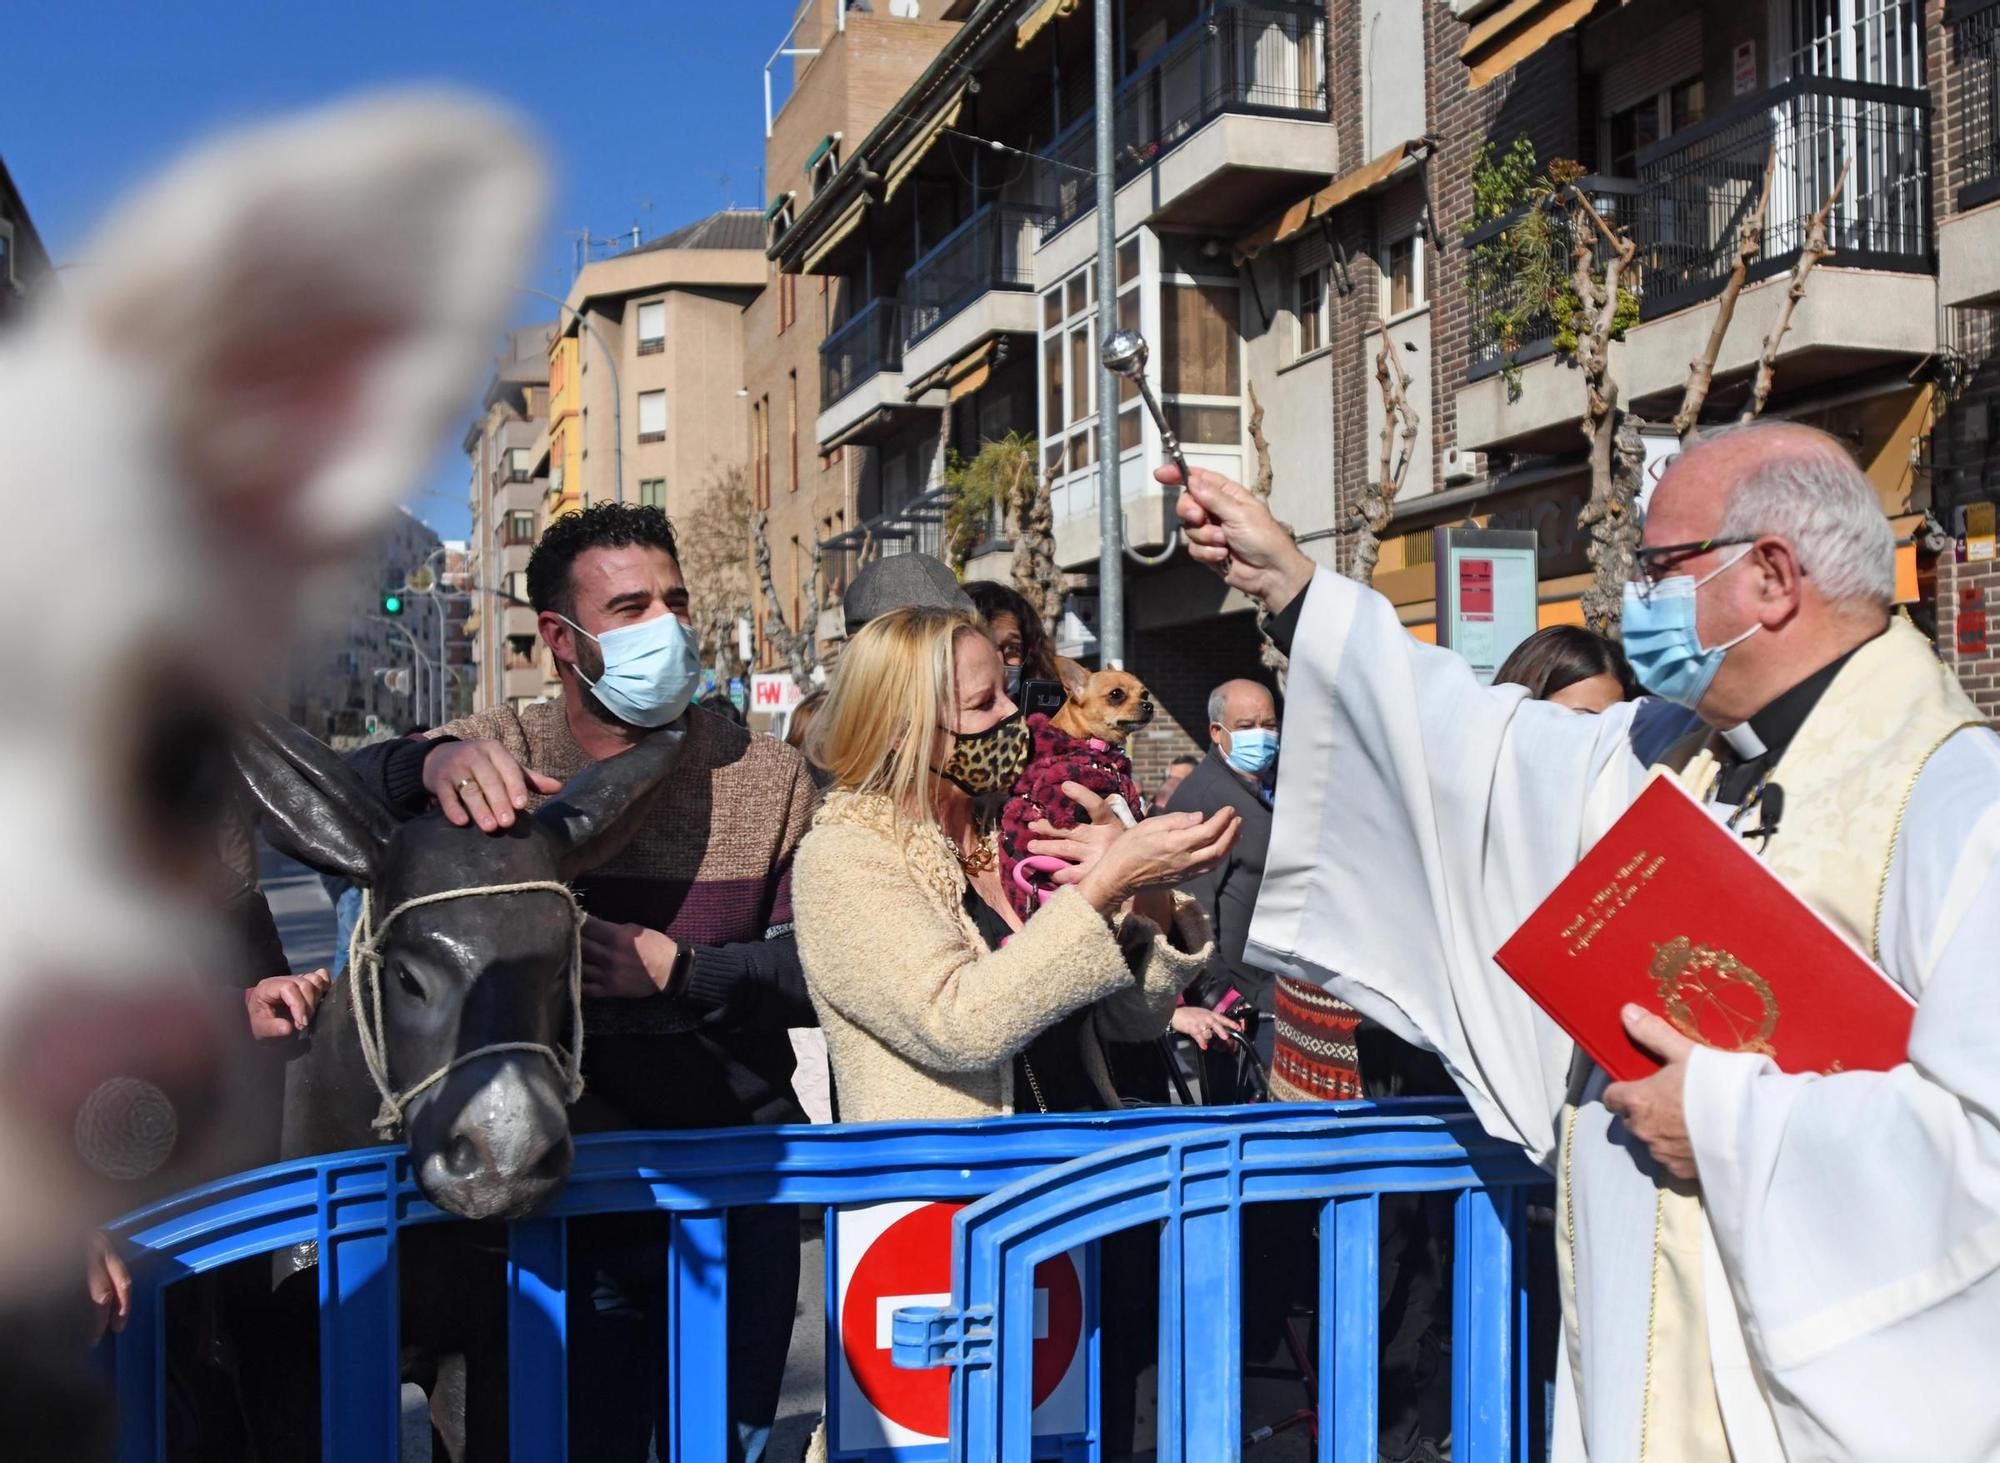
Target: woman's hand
<point>1160,852</point>
<point>1202,1024</point>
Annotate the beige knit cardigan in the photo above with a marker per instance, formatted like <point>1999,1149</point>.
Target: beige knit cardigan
<point>921,1019</point>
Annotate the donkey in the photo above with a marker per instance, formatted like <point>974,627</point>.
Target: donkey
<point>455,1025</point>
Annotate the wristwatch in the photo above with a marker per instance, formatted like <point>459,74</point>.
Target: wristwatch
<point>683,962</point>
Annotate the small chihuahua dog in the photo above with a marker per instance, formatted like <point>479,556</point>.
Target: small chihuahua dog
<point>1107,705</point>
<point>1083,742</point>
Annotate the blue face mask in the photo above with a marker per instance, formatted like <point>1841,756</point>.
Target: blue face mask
<point>1252,751</point>
<point>1660,640</point>
<point>651,669</point>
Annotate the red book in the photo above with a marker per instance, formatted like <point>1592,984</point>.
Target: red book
<point>1673,912</point>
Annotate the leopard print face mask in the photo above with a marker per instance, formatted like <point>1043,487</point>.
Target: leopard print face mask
<point>990,761</point>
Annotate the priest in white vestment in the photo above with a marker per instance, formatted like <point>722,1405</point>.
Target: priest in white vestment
<point>1755,1265</point>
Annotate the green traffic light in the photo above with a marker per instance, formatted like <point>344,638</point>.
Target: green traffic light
<point>392,604</point>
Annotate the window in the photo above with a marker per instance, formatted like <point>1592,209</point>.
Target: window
<point>792,423</point>
<point>652,327</point>
<point>514,464</point>
<point>517,585</point>
<point>760,448</point>
<point>652,492</point>
<point>1201,356</point>
<point>824,162</point>
<point>558,371</point>
<point>652,416</point>
<point>520,528</point>
<point>1070,371</point>
<point>1309,307</point>
<point>1631,131</point>
<point>788,302</point>
<point>1403,275</point>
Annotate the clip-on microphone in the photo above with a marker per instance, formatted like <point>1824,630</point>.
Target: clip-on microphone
<point>1770,808</point>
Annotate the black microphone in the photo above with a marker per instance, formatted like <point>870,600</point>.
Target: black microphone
<point>1771,807</point>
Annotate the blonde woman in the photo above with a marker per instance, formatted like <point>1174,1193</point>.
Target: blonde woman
<point>935,999</point>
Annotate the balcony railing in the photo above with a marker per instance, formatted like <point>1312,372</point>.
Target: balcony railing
<point>915,527</point>
<point>1696,187</point>
<point>1975,46</point>
<point>868,344</point>
<point>1261,59</point>
<point>1517,316</point>
<point>994,249</point>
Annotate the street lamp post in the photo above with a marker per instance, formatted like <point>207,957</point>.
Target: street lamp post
<point>1110,494</point>
<point>418,662</point>
<point>617,394</point>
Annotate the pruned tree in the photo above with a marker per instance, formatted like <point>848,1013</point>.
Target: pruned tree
<point>1037,575</point>
<point>1814,249</point>
<point>798,645</point>
<point>1269,656</point>
<point>1616,456</point>
<point>1749,244</point>
<point>1400,423</point>
<point>716,558</point>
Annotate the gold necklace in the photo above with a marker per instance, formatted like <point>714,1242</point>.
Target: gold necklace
<point>980,859</point>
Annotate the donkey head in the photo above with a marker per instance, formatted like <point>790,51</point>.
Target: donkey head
<point>490,1139</point>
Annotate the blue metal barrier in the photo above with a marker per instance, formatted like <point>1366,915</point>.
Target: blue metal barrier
<point>1044,1183</point>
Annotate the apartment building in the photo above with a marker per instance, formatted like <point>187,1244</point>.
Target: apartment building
<point>506,446</point>
<point>24,263</point>
<point>962,232</point>
<point>645,372</point>
<point>849,68</point>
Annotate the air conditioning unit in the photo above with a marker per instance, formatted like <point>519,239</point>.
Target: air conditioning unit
<point>1460,466</point>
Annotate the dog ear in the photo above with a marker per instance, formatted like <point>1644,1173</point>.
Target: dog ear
<point>599,809</point>
<point>1075,678</point>
<point>311,303</point>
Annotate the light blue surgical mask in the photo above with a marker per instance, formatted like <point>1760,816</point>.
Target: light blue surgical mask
<point>650,672</point>
<point>1661,643</point>
<point>1252,750</point>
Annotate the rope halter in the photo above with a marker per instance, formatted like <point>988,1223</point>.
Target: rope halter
<point>364,963</point>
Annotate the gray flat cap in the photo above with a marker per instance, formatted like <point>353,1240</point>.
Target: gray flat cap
<point>900,580</point>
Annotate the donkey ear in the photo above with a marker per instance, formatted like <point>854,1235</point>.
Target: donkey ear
<point>310,805</point>
<point>311,303</point>
<point>600,808</point>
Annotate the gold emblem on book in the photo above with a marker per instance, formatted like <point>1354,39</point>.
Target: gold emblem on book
<point>1712,997</point>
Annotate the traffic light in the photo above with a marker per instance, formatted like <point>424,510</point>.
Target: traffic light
<point>392,602</point>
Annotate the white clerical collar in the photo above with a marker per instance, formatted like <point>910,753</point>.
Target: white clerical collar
<point>1744,742</point>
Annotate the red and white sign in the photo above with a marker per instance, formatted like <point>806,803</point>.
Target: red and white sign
<point>1475,589</point>
<point>774,694</point>
<point>894,1255</point>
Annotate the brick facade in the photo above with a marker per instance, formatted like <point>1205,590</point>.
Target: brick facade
<point>1962,590</point>
<point>1180,667</point>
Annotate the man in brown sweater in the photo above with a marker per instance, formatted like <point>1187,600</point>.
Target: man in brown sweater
<point>691,975</point>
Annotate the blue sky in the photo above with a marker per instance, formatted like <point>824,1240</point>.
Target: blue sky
<point>653,111</point>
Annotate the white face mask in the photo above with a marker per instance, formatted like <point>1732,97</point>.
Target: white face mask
<point>650,671</point>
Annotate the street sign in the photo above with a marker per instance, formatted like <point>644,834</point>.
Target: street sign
<point>888,1256</point>
<point>773,694</point>
<point>420,579</point>
<point>1971,623</point>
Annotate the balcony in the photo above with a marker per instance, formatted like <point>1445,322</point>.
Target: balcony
<point>1256,60</point>
<point>978,282</point>
<point>915,527</point>
<point>861,371</point>
<point>1872,302</point>
<point>1969,241</point>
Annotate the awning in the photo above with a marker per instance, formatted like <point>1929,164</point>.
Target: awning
<point>1032,23</point>
<point>917,148</point>
<point>1514,32</point>
<point>826,145</point>
<point>1366,179</point>
<point>973,368</point>
<point>778,204</point>
<point>833,236</point>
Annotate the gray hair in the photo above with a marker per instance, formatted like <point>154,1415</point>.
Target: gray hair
<point>1806,488</point>
<point>1218,702</point>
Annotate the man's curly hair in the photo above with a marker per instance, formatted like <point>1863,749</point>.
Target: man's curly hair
<point>600,526</point>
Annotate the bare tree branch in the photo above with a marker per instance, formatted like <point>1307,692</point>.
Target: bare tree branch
<point>798,645</point>
<point>1749,244</point>
<point>1615,467</point>
<point>1399,421</point>
<point>1816,248</point>
<point>1261,484</point>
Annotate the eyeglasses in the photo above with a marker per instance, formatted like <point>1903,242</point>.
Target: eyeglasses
<point>1650,566</point>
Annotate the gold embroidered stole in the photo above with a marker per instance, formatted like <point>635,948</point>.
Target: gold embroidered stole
<point>1847,775</point>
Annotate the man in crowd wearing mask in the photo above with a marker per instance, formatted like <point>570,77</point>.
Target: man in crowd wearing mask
<point>690,977</point>
<point>1242,752</point>
<point>1754,1264</point>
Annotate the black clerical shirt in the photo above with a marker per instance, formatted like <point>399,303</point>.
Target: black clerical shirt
<point>1775,726</point>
